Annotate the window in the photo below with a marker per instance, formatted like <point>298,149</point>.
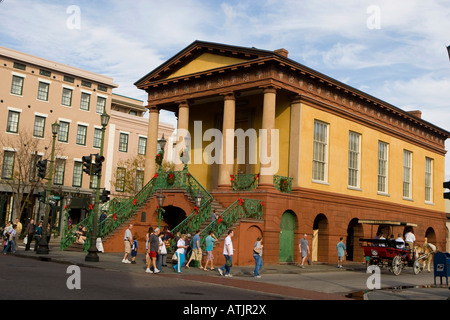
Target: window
<point>123,142</point>
<point>39,127</point>
<point>428,179</point>
<point>77,174</point>
<point>17,85</point>
<point>407,174</point>
<point>354,159</point>
<point>93,182</point>
<point>13,121</point>
<point>142,146</point>
<point>8,165</point>
<point>69,79</point>
<point>383,149</point>
<point>81,135</point>
<point>63,135</point>
<point>45,73</point>
<point>66,97</point>
<point>20,66</point>
<point>43,91</point>
<point>320,151</point>
<point>85,83</point>
<point>101,104</point>
<point>60,167</point>
<point>139,180</point>
<point>85,101</point>
<point>120,179</point>
<point>97,138</point>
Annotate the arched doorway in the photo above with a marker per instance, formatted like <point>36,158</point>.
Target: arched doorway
<point>354,232</point>
<point>430,236</point>
<point>246,245</point>
<point>320,240</point>
<point>287,233</point>
<point>173,216</point>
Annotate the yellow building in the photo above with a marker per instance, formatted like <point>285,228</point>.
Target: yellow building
<point>337,155</point>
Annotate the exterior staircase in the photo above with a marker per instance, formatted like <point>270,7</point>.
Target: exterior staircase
<point>122,212</point>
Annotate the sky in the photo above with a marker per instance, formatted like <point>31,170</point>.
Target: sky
<point>393,50</point>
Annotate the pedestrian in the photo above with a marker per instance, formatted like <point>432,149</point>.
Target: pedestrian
<point>210,239</point>
<point>304,250</point>
<point>162,252</point>
<point>166,237</point>
<point>37,235</point>
<point>257,255</point>
<point>134,249</point>
<point>11,239</point>
<point>128,240</point>
<point>30,233</point>
<point>228,254</point>
<point>153,245</point>
<point>341,252</point>
<point>400,243</point>
<point>214,215</point>
<point>196,250</point>
<point>180,253</point>
<point>147,237</point>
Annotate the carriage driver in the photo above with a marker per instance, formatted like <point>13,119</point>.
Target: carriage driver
<point>410,238</point>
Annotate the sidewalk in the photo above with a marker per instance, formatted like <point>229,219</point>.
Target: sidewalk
<point>242,276</point>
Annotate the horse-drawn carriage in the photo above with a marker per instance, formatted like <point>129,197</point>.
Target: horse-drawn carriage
<point>392,254</point>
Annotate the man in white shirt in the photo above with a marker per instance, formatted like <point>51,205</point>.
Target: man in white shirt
<point>410,238</point>
<point>128,240</point>
<point>228,254</point>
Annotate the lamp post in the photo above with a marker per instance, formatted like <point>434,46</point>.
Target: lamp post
<point>43,243</point>
<point>198,199</point>
<point>160,198</point>
<point>92,251</point>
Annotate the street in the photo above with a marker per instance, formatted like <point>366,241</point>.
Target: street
<point>25,276</point>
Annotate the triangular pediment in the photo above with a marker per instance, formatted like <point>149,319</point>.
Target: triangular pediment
<point>200,57</point>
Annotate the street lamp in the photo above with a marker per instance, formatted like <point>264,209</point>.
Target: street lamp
<point>160,198</point>
<point>198,199</point>
<point>92,251</point>
<point>43,243</point>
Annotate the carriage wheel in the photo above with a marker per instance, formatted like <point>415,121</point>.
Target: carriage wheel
<point>396,266</point>
<point>417,267</point>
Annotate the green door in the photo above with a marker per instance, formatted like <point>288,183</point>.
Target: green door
<point>287,226</point>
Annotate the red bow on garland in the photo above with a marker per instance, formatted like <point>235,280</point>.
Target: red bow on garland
<point>232,177</point>
<point>196,210</point>
<point>220,219</point>
<point>114,216</point>
<point>240,201</point>
<point>134,202</point>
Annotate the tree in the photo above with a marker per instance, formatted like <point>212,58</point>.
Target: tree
<point>20,154</point>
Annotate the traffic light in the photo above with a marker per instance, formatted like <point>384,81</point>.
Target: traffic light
<point>42,168</point>
<point>87,163</point>
<point>447,186</point>
<point>41,196</point>
<point>97,166</point>
<point>105,196</point>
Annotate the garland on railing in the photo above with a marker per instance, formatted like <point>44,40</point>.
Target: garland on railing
<point>170,178</point>
<point>244,182</point>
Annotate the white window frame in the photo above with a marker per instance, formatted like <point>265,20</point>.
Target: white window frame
<point>321,162</point>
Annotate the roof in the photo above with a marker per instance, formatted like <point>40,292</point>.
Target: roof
<point>253,54</point>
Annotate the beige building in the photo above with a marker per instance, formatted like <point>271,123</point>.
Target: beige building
<point>34,94</point>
